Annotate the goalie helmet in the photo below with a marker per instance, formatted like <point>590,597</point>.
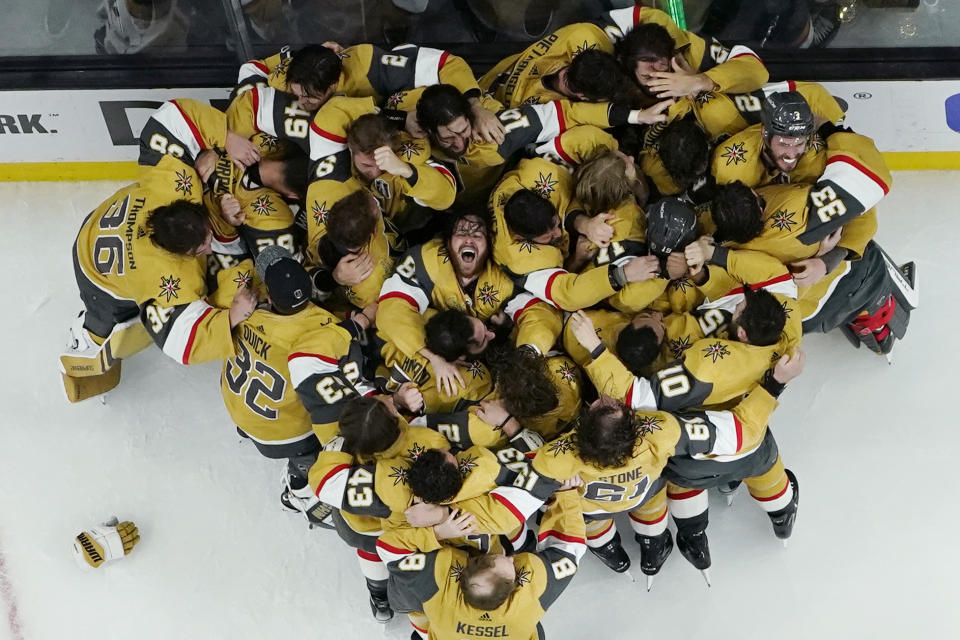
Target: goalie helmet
<point>671,225</point>
<point>787,114</point>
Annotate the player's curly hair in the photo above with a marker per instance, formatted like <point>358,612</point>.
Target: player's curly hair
<point>367,426</point>
<point>315,68</point>
<point>522,380</point>
<point>352,220</point>
<point>763,317</point>
<point>736,213</point>
<point>481,588</point>
<point>433,478</point>
<point>648,42</point>
<point>470,208</point>
<point>637,348</point>
<point>439,105</point>
<point>529,215</point>
<point>606,435</point>
<point>179,227</point>
<point>685,151</point>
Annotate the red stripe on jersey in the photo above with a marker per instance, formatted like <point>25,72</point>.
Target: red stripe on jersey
<point>337,469</point>
<point>642,521</point>
<point>193,335</point>
<point>366,555</point>
<point>786,486</point>
<point>759,285</point>
<point>261,66</point>
<point>443,59</point>
<point>224,239</point>
<point>549,286</point>
<point>402,296</point>
<point>862,169</point>
<point>559,536</point>
<point>423,631</point>
<point>686,495</point>
<point>745,53</point>
<point>560,120</point>
<point>636,15</point>
<point>530,454</point>
<point>516,512</point>
<point>739,427</point>
<point>560,151</point>
<point>256,106</point>
<point>391,548</point>
<point>326,134</point>
<point>600,533</point>
<point>532,302</point>
<point>299,354</point>
<point>791,85</point>
<point>442,169</point>
<point>193,127</point>
<point>628,400</point>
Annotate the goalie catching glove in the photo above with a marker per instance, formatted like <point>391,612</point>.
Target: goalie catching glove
<point>110,541</point>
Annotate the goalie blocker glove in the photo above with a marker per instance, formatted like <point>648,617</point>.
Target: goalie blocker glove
<point>110,541</point>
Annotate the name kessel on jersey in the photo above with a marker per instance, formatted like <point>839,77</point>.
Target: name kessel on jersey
<point>482,631</point>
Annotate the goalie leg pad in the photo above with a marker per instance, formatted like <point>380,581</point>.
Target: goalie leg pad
<point>80,388</point>
<point>85,357</point>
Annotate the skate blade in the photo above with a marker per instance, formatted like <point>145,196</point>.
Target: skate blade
<point>706,576</point>
<point>649,583</point>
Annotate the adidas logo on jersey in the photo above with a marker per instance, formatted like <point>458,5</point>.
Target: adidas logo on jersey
<point>485,616</point>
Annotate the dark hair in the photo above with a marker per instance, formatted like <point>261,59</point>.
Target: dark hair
<point>762,318</point>
<point>369,132</point>
<point>448,334</point>
<point>685,152</point>
<point>637,348</point>
<point>433,478</point>
<point>522,380</point>
<point>606,435</point>
<point>367,427</point>
<point>528,214</point>
<point>315,68</point>
<point>459,211</point>
<point>178,227</point>
<point>295,167</point>
<point>479,597</point>
<point>736,213</point>
<point>439,105</point>
<point>647,41</point>
<point>595,74</point>
<point>352,220</point>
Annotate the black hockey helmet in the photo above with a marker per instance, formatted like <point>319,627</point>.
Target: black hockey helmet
<point>787,114</point>
<point>671,225</point>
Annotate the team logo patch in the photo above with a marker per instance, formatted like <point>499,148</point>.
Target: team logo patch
<point>381,186</point>
<point>475,369</point>
<point>786,308</point>
<point>735,153</point>
<point>523,576</point>
<point>816,143</point>
<point>704,97</point>
<point>415,451</point>
<point>545,185</point>
<point>243,279</point>
<point>648,424</point>
<point>169,286</point>
<point>466,464</point>
<point>183,183</point>
<point>456,570</point>
<point>584,46</point>
<point>681,284</point>
<point>528,246</point>
<point>567,373</point>
<point>320,212</point>
<point>488,295</point>
<point>409,149</point>
<point>262,206</point>
<point>268,142</point>
<point>783,220</point>
<point>678,346</point>
<point>281,70</point>
<point>399,475</point>
<point>394,100</point>
<point>560,446</point>
<point>716,351</point>
<point>532,100</point>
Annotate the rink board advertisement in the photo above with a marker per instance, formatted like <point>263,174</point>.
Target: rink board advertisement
<point>77,135</point>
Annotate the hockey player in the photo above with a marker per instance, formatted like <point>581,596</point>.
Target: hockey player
<point>140,257</point>
<point>488,595</point>
<point>620,453</point>
<point>457,272</point>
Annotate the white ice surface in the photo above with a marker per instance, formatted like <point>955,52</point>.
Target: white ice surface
<point>875,552</point>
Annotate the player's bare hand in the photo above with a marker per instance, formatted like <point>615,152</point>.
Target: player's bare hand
<point>809,272</point>
<point>830,242</point>
<point>598,229</point>
<point>353,269</point>
<point>676,265</point>
<point>681,81</point>
<point>572,482</point>
<point>409,398</point>
<point>584,331</point>
<point>652,114</point>
<point>424,514</point>
<point>336,47</point>
<point>231,211</point>
<point>243,152</point>
<point>244,304</point>
<point>206,163</point>
<point>457,525</point>
<point>367,317</point>
<point>447,374</point>
<point>486,125</point>
<point>642,269</point>
<point>494,413</point>
<point>698,253</point>
<point>789,366</point>
<point>388,161</point>
<point>413,125</point>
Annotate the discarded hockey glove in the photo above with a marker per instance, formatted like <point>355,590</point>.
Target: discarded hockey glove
<point>110,541</point>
